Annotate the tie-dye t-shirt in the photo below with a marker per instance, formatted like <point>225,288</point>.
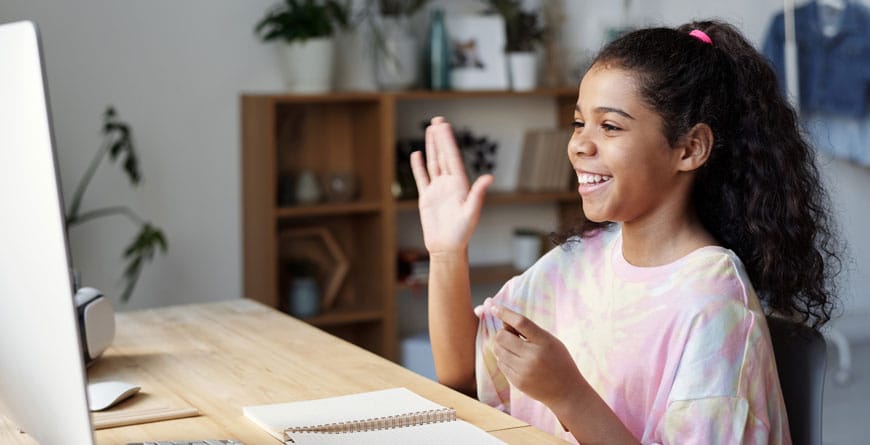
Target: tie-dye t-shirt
<point>680,352</point>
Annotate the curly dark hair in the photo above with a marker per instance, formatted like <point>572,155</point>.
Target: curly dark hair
<point>759,193</point>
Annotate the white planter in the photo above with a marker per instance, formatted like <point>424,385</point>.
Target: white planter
<point>307,65</point>
<point>523,70</point>
<point>354,65</point>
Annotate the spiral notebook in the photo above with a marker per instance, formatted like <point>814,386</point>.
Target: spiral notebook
<point>379,417</point>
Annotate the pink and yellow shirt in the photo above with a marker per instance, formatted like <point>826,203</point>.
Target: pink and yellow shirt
<point>680,352</point>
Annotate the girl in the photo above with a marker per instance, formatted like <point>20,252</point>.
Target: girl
<point>700,197</point>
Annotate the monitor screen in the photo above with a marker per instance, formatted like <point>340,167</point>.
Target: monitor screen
<point>42,377</point>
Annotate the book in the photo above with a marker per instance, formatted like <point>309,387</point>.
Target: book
<point>384,417</point>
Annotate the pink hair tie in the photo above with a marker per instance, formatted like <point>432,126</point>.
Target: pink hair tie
<point>701,35</point>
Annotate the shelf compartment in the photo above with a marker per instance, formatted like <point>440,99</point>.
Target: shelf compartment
<point>355,234</point>
<point>326,137</point>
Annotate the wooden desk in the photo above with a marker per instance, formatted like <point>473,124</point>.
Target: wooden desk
<point>219,357</point>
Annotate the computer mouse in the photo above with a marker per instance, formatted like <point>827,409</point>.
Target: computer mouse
<point>106,394</point>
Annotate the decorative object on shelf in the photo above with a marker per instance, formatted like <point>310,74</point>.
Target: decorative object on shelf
<point>307,28</point>
<point>340,187</point>
<point>397,51</point>
<point>478,152</point>
<point>303,294</point>
<point>477,49</point>
<point>439,59</point>
<point>544,165</point>
<point>307,190</point>
<point>524,33</point>
<point>118,141</point>
<point>397,62</point>
<point>317,246</point>
<point>526,248</point>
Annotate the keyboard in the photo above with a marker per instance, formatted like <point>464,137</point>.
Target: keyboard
<point>190,442</point>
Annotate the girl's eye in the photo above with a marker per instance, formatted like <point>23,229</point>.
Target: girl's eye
<point>578,124</point>
<point>609,127</point>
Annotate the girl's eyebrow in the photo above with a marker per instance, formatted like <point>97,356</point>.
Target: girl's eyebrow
<point>603,110</point>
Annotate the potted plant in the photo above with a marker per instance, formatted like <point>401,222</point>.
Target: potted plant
<point>118,143</point>
<point>524,33</point>
<point>306,28</point>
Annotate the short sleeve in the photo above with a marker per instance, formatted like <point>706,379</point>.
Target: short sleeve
<point>493,387</point>
<point>713,420</point>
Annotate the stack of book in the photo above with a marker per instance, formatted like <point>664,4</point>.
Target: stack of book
<point>544,164</point>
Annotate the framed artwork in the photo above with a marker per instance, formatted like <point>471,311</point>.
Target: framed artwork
<point>477,45</point>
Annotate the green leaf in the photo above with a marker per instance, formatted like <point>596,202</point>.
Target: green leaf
<point>141,250</point>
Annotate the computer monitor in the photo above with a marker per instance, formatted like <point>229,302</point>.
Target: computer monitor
<point>42,374</point>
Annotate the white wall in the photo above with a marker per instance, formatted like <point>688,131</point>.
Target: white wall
<point>175,70</point>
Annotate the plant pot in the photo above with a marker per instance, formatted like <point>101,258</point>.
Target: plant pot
<point>398,59</point>
<point>307,65</point>
<point>523,70</point>
<point>354,64</point>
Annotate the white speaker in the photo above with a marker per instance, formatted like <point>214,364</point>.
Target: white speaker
<point>96,322</point>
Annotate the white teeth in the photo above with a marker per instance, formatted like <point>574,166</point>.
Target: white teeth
<point>590,178</point>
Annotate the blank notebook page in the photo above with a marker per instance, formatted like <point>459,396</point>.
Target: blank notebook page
<point>275,418</point>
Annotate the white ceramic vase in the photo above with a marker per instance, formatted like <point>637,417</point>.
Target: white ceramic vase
<point>523,70</point>
<point>307,65</point>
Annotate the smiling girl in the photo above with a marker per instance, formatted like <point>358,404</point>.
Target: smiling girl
<point>702,201</point>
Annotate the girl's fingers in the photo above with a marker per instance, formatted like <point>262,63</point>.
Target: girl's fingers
<point>520,326</point>
<point>476,195</point>
<point>431,150</point>
<point>448,153</point>
<point>510,342</point>
<point>420,176</point>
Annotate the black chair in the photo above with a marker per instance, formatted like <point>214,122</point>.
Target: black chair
<point>800,360</point>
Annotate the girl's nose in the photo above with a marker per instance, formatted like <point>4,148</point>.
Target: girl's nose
<point>580,145</point>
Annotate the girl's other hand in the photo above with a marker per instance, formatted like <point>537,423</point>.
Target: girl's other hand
<point>535,361</point>
<point>449,210</point>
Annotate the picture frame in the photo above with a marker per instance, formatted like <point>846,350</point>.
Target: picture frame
<point>478,59</point>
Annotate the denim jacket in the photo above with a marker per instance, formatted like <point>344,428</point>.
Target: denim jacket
<point>834,71</point>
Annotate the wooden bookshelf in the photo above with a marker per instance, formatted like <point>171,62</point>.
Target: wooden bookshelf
<point>352,133</point>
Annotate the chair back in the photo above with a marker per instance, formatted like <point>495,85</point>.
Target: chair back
<point>801,358</point>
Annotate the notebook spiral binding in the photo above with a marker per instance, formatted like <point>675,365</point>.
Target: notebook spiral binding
<point>376,423</point>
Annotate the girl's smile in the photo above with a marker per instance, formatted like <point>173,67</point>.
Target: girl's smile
<point>591,182</point>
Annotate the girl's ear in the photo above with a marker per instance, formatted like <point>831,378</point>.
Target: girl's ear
<point>696,147</point>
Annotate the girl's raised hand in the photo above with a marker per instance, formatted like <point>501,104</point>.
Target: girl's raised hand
<point>449,209</point>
